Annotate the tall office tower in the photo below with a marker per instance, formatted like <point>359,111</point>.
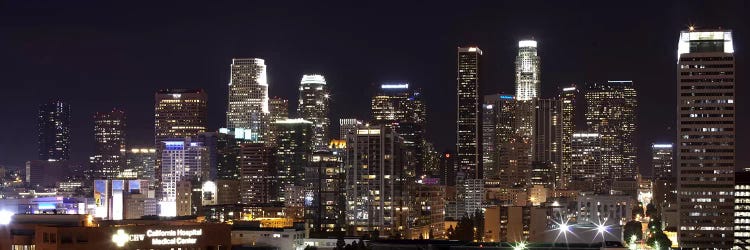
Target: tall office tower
<point>404,110</point>
<point>179,113</point>
<point>142,161</point>
<point>447,168</point>
<point>611,113</point>
<point>742,210</point>
<point>705,138</point>
<point>468,140</point>
<point>313,106</point>
<point>228,154</point>
<point>109,147</point>
<point>54,131</point>
<point>348,126</point>
<point>587,171</point>
<point>515,164</point>
<point>278,109</point>
<point>374,181</point>
<point>661,161</point>
<point>527,71</point>
<point>567,123</point>
<point>293,153</point>
<point>248,96</point>
<point>324,192</point>
<point>498,126</point>
<point>664,178</point>
<point>181,161</point>
<point>547,141</point>
<point>257,173</point>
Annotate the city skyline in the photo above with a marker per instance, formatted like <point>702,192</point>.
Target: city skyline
<point>347,100</point>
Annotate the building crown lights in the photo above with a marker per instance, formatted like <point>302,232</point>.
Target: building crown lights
<point>395,86</point>
<point>527,43</point>
<point>313,79</point>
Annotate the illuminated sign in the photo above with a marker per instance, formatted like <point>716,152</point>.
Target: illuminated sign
<point>506,97</point>
<point>159,237</point>
<point>527,43</point>
<point>394,86</point>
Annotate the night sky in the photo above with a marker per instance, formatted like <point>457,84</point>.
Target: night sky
<point>97,57</point>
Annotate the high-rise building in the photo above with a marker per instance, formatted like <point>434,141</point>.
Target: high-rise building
<point>547,142</point>
<point>278,109</point>
<point>248,96</point>
<point>257,173</point>
<point>109,147</point>
<point>498,126</point>
<point>742,210</point>
<point>468,130</point>
<point>587,171</point>
<point>567,123</point>
<point>293,153</point>
<point>661,161</point>
<point>313,106</point>
<point>324,192</point>
<point>664,177</point>
<point>181,160</point>
<point>514,167</point>
<point>54,131</point>
<point>705,138</point>
<point>374,181</point>
<point>142,162</point>
<point>404,110</point>
<point>611,113</point>
<point>527,71</point>
<point>180,113</point>
<point>348,126</point>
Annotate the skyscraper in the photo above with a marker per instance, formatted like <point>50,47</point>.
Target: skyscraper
<point>257,173</point>
<point>587,171</point>
<point>54,131</point>
<point>248,96</point>
<point>179,113</point>
<point>109,138</point>
<point>404,110</point>
<point>293,153</point>
<point>278,109</point>
<point>142,161</point>
<point>182,161</point>
<point>324,192</point>
<point>374,181</point>
<point>498,126</point>
<point>705,138</point>
<point>348,126</point>
<point>661,161</point>
<point>527,71</point>
<point>313,106</point>
<point>468,130</point>
<point>567,123</point>
<point>611,113</point>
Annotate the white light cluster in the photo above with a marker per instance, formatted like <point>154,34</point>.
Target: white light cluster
<point>313,79</point>
<point>527,43</point>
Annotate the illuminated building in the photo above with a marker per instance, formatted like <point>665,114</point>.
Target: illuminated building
<point>324,192</point>
<point>705,138</point>
<point>567,123</point>
<point>611,113</point>
<point>374,181</point>
<point>547,140</point>
<point>527,71</point>
<point>348,126</point>
<point>661,161</point>
<point>498,126</point>
<point>587,170</point>
<point>54,131</point>
<point>742,210</point>
<point>278,109</point>
<point>182,160</point>
<point>514,168</point>
<point>180,113</point>
<point>447,168</point>
<point>293,152</point>
<point>248,96</point>
<point>596,209</point>
<point>228,154</point>
<point>109,147</point>
<point>313,106</point>
<point>471,196</point>
<point>404,110</point>
<point>257,166</point>
<point>260,237</point>
<point>429,210</point>
<point>468,128</point>
<point>123,199</point>
<point>515,223</point>
<point>79,231</point>
<point>142,161</point>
